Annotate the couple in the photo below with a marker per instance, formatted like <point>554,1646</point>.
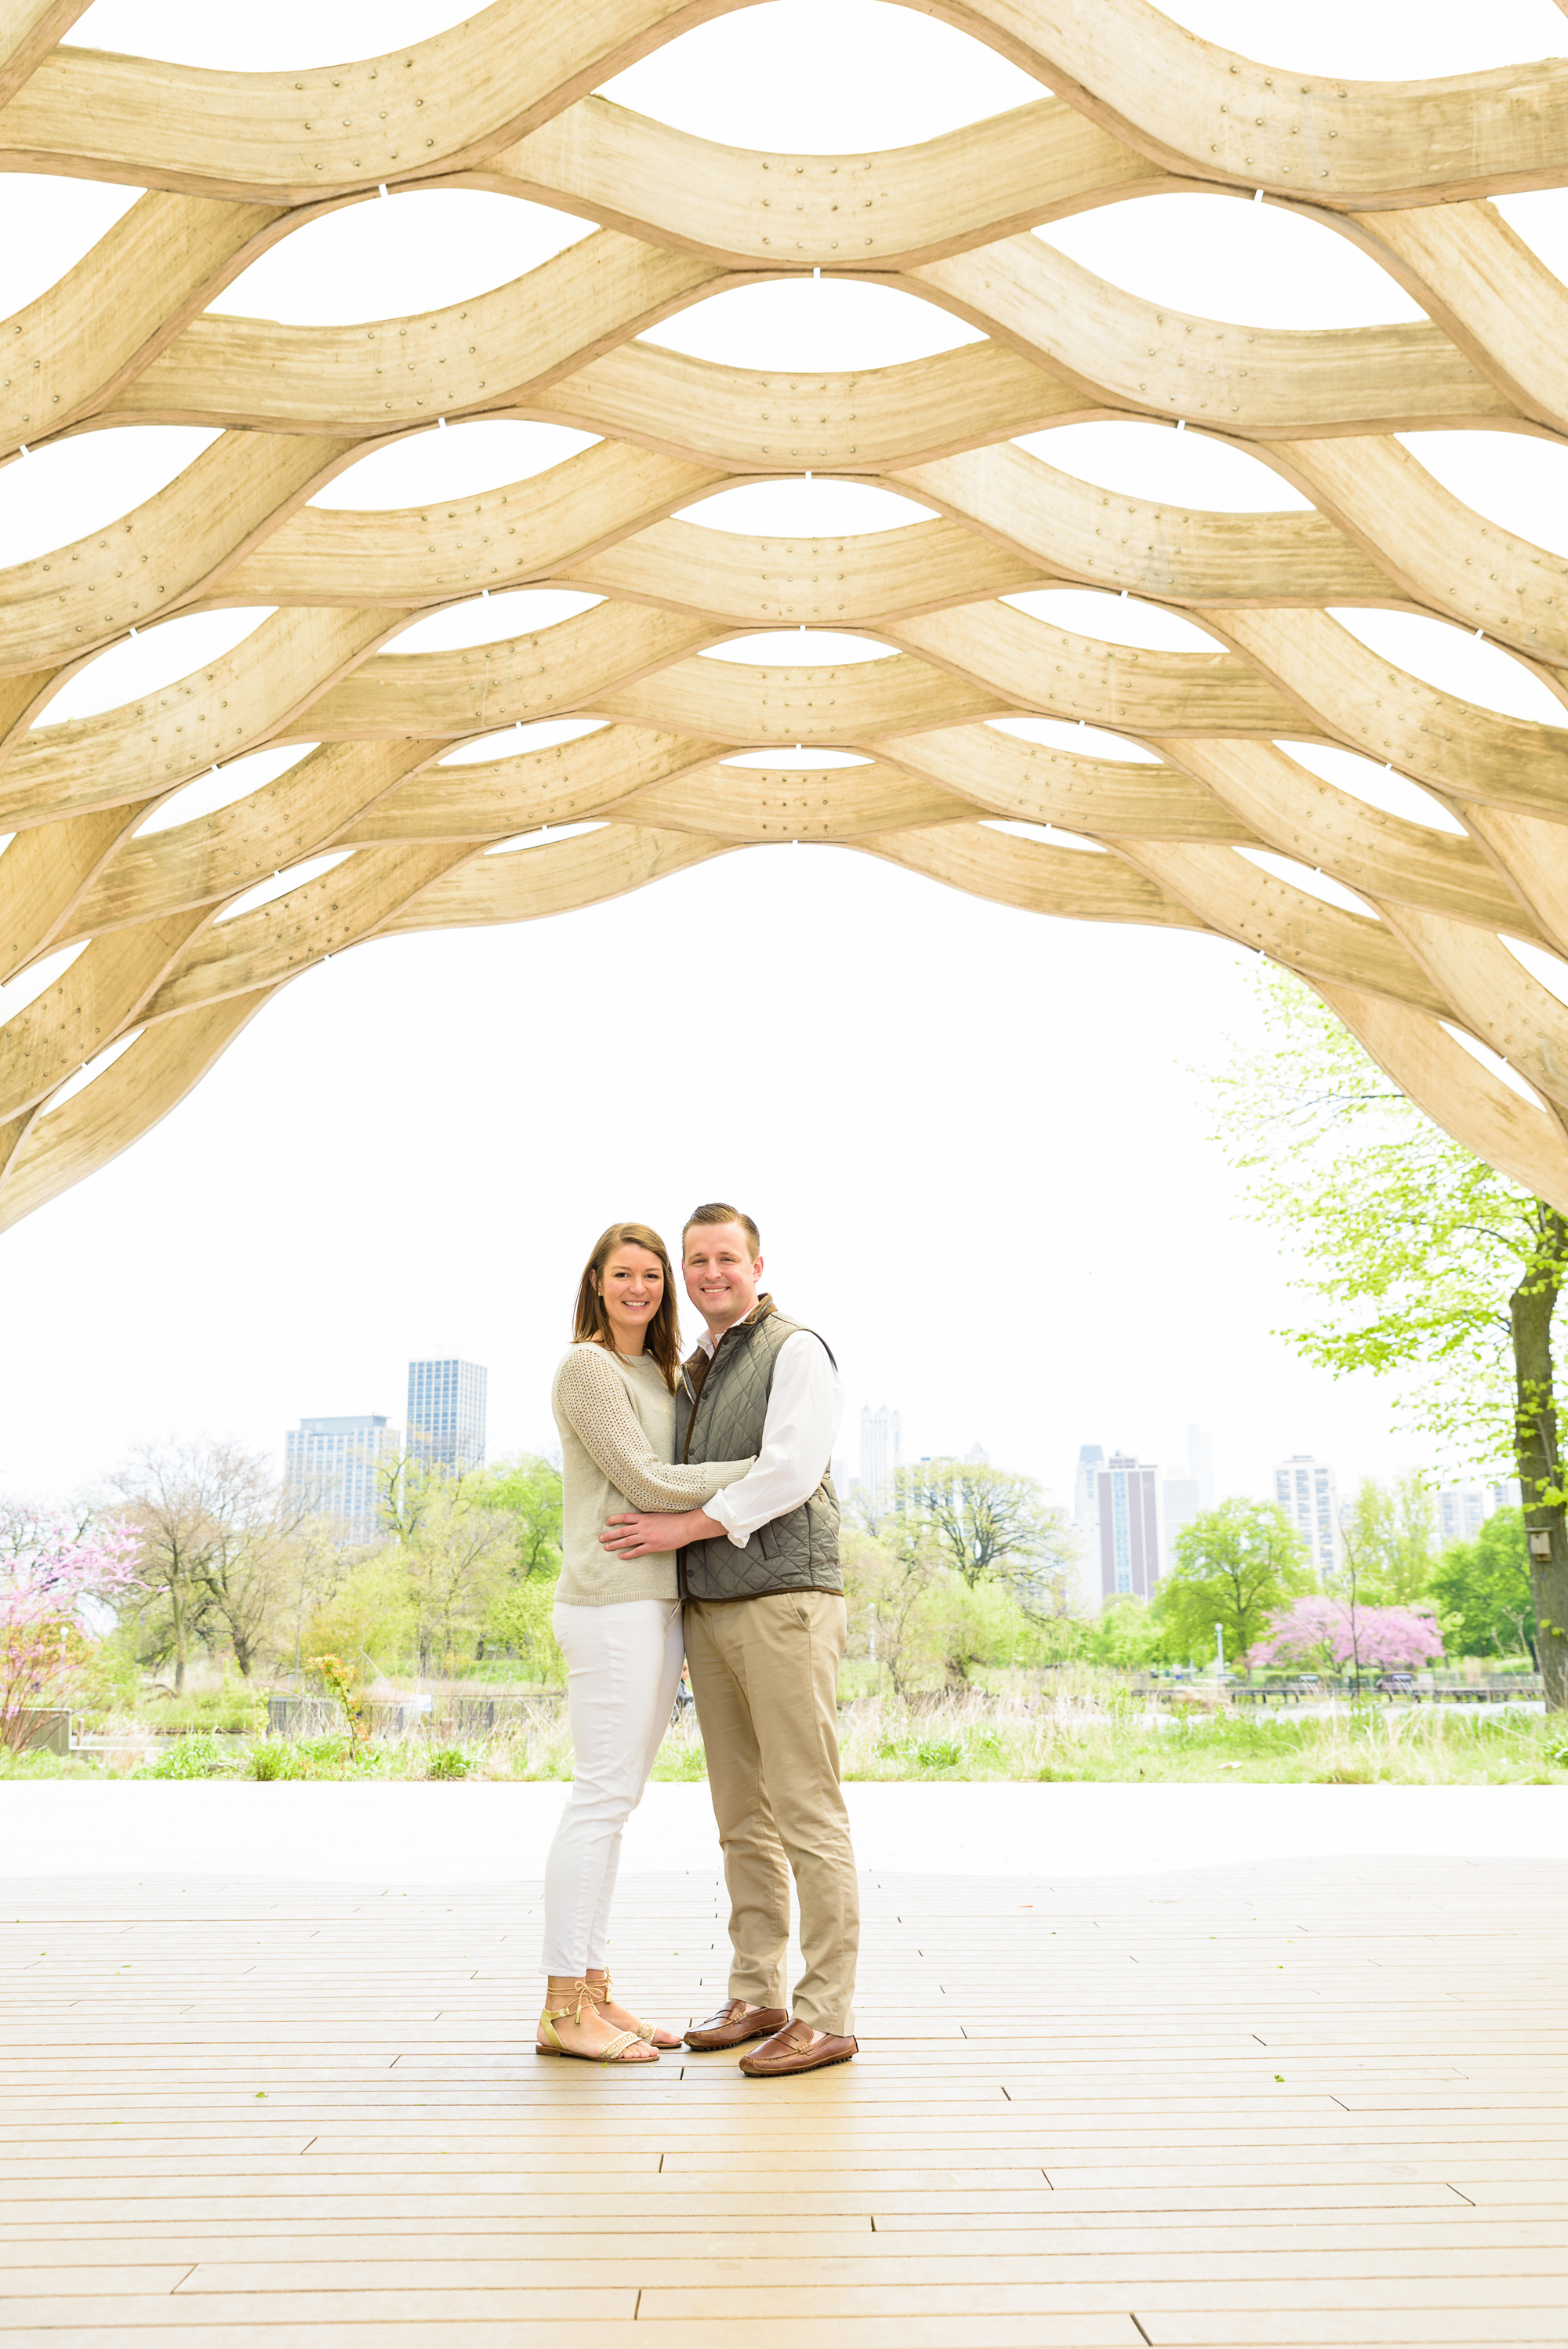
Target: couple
<point>705,1482</point>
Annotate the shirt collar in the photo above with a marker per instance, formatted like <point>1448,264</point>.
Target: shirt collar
<point>710,1345</point>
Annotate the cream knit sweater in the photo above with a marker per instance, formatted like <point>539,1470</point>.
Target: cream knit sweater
<point>617,1422</point>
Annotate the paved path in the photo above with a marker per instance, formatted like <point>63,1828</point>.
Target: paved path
<point>1318,2102</point>
<point>425,1834</point>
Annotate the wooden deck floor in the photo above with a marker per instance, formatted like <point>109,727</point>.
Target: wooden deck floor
<point>1315,2105</point>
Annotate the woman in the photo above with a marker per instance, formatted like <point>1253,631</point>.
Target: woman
<point>617,1621</point>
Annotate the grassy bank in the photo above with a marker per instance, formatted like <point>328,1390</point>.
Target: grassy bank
<point>1085,1727</point>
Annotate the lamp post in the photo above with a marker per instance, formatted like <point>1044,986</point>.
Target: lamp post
<point>1220,1650</point>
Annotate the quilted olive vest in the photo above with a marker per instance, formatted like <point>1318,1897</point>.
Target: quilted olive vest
<point>720,1406</point>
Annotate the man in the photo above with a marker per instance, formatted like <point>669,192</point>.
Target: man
<point>765,1624</point>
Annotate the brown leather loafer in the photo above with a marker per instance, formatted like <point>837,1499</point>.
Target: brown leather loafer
<point>732,2026</point>
<point>794,2049</point>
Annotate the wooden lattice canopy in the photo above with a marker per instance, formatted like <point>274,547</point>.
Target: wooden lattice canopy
<point>233,163</point>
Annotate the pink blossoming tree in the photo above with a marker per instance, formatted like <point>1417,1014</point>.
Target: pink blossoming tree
<point>1367,1639</point>
<point>48,1571</point>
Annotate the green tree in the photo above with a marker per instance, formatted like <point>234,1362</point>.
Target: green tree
<point>1427,1265</point>
<point>529,1490</point>
<point>987,1524</point>
<point>1126,1635</point>
<point>1481,1590</point>
<point>1236,1566</point>
<point>1388,1533</point>
<point>888,1584</point>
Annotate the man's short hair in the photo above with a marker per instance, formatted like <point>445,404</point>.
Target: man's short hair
<point>716,1211</point>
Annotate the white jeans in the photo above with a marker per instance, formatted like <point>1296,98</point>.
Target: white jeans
<point>623,1664</point>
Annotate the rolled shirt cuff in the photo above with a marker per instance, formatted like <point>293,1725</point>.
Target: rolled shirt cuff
<point>719,1506</point>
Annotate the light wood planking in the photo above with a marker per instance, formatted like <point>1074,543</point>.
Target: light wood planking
<point>1264,2105</point>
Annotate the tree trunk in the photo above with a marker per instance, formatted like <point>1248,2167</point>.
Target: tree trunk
<point>1531,1309</point>
<point>177,1606</point>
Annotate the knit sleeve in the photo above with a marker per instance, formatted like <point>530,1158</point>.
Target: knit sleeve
<point>590,1396</point>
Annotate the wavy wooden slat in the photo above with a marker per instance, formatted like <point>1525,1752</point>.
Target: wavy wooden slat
<point>1493,997</point>
<point>44,1152</point>
<point>320,918</point>
<point>161,556</point>
<point>152,746</point>
<point>1177,97</point>
<point>1266,382</point>
<point>476,357</point>
<point>886,210</point>
<point>437,106</point>
<point>1285,807</point>
<point>494,798</point>
<point>310,807</point>
<point>1275,918</point>
<point>99,996</point>
<point>1440,1076</point>
<point>1106,539</point>
<point>1034,876</point>
<point>556,878</point>
<point>752,803</point>
<point>1394,718</point>
<point>29,29</point>
<point>1101,798</point>
<point>1037,665</point>
<point>47,873</point>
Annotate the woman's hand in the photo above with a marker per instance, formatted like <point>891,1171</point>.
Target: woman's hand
<point>643,1532</point>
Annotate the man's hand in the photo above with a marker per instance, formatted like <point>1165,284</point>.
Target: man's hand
<point>642,1534</point>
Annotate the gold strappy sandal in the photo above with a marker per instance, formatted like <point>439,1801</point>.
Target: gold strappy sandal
<point>602,1994</point>
<point>614,2050</point>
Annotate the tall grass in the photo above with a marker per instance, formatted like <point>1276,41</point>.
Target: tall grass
<point>1084,1725</point>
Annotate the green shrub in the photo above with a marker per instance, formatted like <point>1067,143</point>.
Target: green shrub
<point>448,1762</point>
<point>268,1762</point>
<point>199,1755</point>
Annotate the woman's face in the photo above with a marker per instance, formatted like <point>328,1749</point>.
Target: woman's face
<point>632,1286</point>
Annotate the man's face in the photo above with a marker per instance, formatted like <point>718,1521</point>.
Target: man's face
<point>721,1273</point>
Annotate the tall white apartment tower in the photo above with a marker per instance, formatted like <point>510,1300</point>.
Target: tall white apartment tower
<point>1200,1464</point>
<point>447,1412</point>
<point>881,1452</point>
<point>1180,1500</point>
<point>1463,1509</point>
<point>1086,1487</point>
<point>1305,1491</point>
<point>336,1464</point>
<point>1128,1528</point>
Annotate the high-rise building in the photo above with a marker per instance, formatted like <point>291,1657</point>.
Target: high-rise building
<point>1180,1500</point>
<point>1200,1464</point>
<point>1463,1509</point>
<point>1305,1491</point>
<point>447,1412</point>
<point>1128,1512</point>
<point>1086,1487</point>
<point>336,1464</point>
<point>882,1453</point>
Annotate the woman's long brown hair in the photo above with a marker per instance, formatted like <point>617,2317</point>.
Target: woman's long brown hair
<point>591,1324</point>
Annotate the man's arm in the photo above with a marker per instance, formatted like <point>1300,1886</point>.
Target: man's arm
<point>804,1407</point>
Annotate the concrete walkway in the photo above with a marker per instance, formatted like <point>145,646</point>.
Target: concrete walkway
<point>465,1833</point>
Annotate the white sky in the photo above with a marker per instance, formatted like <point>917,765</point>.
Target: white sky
<point>975,1139</point>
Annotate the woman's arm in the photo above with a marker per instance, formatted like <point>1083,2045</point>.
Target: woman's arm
<point>593,1398</point>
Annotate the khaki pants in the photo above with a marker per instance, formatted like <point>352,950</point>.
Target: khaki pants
<point>765,1674</point>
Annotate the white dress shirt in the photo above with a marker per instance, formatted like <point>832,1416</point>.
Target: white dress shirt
<point>805,1404</point>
